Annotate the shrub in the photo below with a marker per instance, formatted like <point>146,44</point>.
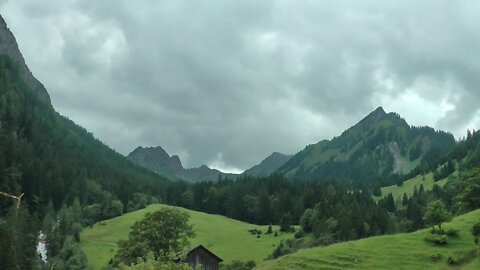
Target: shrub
<point>452,260</point>
<point>287,247</point>
<point>476,233</point>
<point>324,240</point>
<point>437,257</point>
<point>460,259</point>
<point>449,232</point>
<point>299,234</point>
<point>255,231</point>
<point>452,232</point>
<point>439,240</point>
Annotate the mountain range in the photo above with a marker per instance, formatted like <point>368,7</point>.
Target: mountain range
<point>375,150</point>
<point>159,161</point>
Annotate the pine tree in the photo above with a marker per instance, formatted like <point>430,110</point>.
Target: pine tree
<point>404,199</point>
<point>265,211</point>
<point>18,240</point>
<point>286,223</point>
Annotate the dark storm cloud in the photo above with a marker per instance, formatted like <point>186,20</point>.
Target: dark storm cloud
<point>228,82</point>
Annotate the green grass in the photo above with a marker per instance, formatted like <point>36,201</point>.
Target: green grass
<point>408,186</point>
<point>228,238</point>
<point>400,251</point>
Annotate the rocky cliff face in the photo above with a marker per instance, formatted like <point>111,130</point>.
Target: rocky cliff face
<point>156,159</point>
<point>9,47</point>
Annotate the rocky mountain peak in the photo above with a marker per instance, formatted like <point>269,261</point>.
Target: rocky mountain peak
<point>176,163</point>
<point>376,115</point>
<point>9,48</point>
<point>2,22</point>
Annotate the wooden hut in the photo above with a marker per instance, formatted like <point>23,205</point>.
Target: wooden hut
<point>200,258</point>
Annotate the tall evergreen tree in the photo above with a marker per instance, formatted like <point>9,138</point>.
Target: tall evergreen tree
<point>265,211</point>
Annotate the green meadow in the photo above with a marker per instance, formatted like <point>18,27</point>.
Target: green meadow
<point>228,238</point>
<point>409,186</point>
<point>400,251</point>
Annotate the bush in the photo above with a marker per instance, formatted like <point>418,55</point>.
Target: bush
<point>255,231</point>
<point>476,232</point>
<point>460,259</point>
<point>452,232</point>
<point>449,232</point>
<point>287,247</point>
<point>452,260</point>
<point>437,257</point>
<point>299,234</point>
<point>324,240</point>
<point>439,240</point>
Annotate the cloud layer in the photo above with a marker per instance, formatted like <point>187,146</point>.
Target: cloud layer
<point>228,82</point>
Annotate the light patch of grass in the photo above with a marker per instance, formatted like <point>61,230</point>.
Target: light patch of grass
<point>409,186</point>
<point>98,253</point>
<point>319,155</point>
<point>400,251</point>
<point>228,238</point>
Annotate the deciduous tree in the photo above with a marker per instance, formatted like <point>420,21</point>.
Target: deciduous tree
<point>163,233</point>
<point>436,214</point>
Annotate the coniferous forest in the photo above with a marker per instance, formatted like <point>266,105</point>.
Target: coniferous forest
<point>70,179</point>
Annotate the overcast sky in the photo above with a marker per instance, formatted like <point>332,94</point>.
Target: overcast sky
<point>226,83</point>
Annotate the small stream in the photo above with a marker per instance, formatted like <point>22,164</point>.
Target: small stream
<point>42,246</point>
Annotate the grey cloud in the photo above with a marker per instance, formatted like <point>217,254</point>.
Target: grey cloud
<point>239,80</point>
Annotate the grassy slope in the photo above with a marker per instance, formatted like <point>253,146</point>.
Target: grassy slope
<point>228,238</point>
<point>400,251</point>
<point>408,186</point>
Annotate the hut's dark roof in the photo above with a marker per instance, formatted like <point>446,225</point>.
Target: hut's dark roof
<point>206,249</point>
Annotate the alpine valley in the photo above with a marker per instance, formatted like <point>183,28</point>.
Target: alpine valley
<point>381,195</point>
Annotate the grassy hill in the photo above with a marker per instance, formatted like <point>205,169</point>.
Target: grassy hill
<point>400,251</point>
<point>228,238</point>
<point>409,186</point>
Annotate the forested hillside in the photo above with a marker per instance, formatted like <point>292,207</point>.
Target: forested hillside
<point>51,159</point>
<point>375,152</point>
<point>269,165</point>
<point>59,166</point>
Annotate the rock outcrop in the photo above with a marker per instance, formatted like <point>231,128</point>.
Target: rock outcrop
<point>9,48</point>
